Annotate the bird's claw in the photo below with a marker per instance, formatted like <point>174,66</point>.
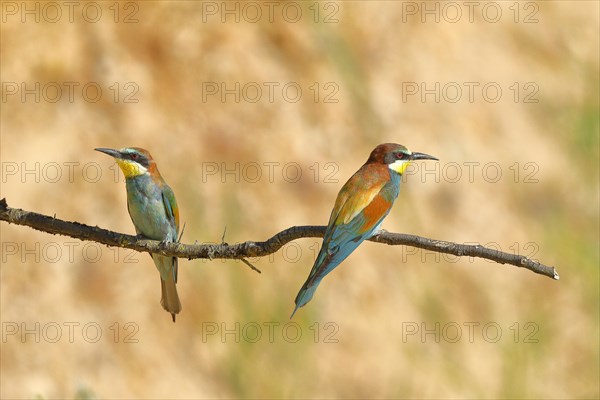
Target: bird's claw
<point>163,243</point>
<point>380,232</point>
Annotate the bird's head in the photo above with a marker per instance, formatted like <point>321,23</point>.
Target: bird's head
<point>133,161</point>
<point>395,156</point>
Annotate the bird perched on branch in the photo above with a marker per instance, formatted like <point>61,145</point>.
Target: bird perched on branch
<point>154,212</point>
<point>362,204</point>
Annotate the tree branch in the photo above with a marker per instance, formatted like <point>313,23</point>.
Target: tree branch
<point>248,249</point>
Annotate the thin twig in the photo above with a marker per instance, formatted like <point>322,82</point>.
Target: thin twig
<point>223,237</point>
<point>248,263</point>
<point>181,234</point>
<point>249,249</point>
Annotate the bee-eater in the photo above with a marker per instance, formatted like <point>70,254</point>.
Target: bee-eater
<point>362,204</point>
<point>154,212</point>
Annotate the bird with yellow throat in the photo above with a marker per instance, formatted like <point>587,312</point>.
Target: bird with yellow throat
<point>361,206</point>
<point>153,210</point>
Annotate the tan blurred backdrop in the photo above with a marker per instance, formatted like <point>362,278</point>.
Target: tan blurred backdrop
<point>256,114</point>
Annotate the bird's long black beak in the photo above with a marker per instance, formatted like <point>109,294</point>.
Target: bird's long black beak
<point>110,152</point>
<point>421,156</point>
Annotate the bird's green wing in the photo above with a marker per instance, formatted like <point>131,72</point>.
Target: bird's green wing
<point>172,212</point>
<point>171,206</point>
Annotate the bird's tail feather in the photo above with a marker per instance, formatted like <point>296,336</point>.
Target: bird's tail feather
<point>170,299</point>
<point>304,296</point>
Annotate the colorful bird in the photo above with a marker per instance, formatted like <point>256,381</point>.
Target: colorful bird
<point>154,212</point>
<point>362,204</point>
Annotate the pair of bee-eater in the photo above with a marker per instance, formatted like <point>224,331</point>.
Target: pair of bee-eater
<point>361,205</point>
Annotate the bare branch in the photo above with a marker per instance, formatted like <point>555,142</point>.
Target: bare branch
<point>249,249</point>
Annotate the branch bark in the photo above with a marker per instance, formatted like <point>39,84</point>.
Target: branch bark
<point>248,249</point>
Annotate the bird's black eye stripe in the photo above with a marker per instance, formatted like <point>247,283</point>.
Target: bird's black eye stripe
<point>139,158</point>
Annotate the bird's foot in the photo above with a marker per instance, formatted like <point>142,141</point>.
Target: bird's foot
<point>380,232</point>
<point>163,243</point>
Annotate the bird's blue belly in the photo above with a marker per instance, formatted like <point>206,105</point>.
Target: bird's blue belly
<point>147,210</point>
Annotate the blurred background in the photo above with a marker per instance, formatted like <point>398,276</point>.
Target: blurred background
<point>256,114</point>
